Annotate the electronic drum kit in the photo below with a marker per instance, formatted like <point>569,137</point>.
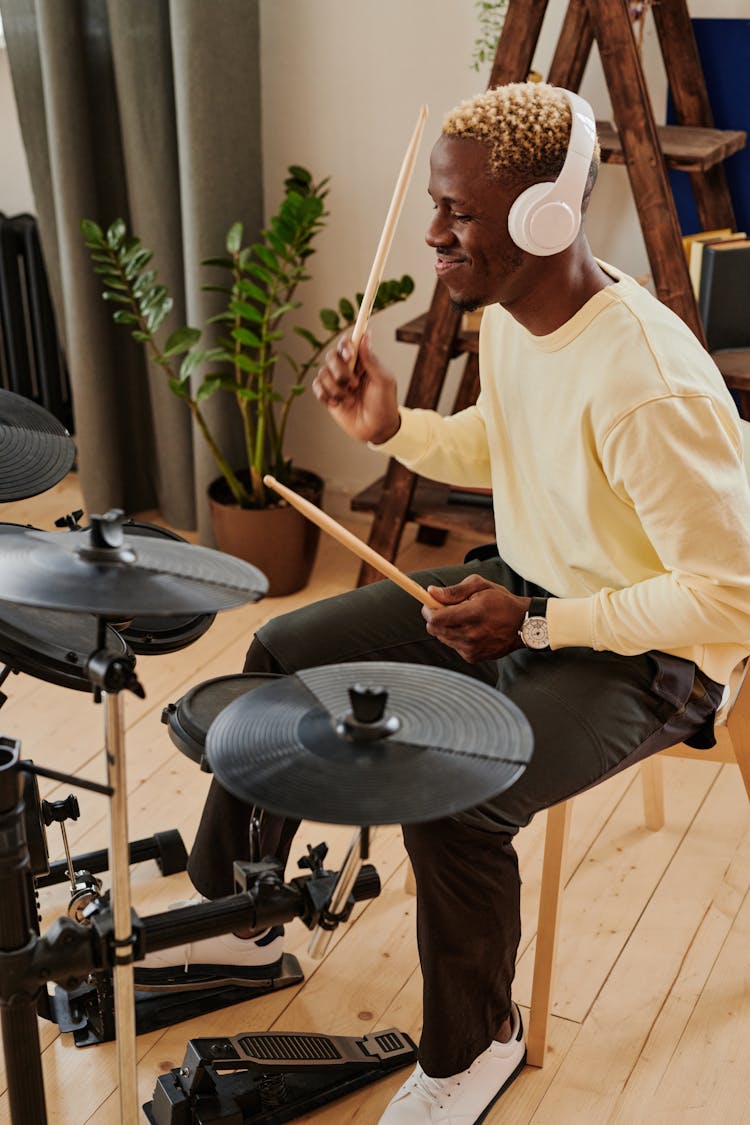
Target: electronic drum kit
<point>361,744</point>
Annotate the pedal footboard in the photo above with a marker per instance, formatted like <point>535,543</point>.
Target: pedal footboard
<point>265,1078</point>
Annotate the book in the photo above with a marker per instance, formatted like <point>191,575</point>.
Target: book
<point>696,253</point>
<point>688,240</point>
<point>724,299</point>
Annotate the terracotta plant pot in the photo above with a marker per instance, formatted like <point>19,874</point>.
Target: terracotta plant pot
<point>278,540</point>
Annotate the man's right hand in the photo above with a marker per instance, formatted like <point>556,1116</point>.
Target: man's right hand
<point>364,402</point>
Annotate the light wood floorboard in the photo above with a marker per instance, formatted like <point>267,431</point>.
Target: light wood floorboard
<point>651,1014</point>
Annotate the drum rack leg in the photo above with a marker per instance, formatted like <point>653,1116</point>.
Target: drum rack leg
<point>18,1019</point>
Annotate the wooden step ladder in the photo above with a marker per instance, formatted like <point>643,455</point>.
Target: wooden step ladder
<point>647,150</point>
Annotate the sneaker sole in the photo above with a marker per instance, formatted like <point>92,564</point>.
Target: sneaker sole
<point>502,1090</point>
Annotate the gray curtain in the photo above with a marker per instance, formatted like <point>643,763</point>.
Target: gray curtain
<point>149,110</point>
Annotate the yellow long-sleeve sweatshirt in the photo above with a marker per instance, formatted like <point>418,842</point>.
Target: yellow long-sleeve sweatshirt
<point>614,453</point>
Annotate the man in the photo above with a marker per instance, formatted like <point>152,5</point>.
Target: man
<point>618,602</point>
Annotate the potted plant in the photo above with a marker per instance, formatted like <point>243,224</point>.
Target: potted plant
<point>242,359</point>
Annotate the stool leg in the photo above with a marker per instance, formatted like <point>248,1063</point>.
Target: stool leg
<point>738,728</point>
<point>556,837</point>
<point>652,779</point>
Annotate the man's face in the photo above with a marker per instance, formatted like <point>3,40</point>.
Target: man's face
<point>477,260</point>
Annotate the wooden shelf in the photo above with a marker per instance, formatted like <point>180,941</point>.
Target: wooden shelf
<point>686,148</point>
<point>431,507</point>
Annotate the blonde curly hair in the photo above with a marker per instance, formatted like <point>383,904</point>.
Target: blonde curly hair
<point>525,124</point>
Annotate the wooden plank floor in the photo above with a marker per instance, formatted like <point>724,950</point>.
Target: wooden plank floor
<point>652,998</point>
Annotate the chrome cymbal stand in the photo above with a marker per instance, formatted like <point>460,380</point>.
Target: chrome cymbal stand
<point>111,675</point>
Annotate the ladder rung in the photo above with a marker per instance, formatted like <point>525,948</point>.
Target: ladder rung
<point>685,147</point>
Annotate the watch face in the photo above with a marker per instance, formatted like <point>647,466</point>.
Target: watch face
<point>534,632</point>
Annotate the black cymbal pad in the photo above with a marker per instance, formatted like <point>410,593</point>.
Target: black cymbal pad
<point>445,743</point>
<point>66,570</point>
<point>36,451</point>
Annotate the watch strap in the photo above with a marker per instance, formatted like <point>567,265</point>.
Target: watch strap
<point>537,607</point>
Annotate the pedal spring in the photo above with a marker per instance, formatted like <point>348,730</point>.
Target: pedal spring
<point>272,1090</point>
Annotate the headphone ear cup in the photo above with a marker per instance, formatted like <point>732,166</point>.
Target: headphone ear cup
<point>522,211</point>
<point>539,227</point>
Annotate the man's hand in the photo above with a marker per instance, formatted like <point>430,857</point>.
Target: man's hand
<point>477,618</point>
<point>363,402</point>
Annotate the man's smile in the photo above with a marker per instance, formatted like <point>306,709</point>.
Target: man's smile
<point>444,263</point>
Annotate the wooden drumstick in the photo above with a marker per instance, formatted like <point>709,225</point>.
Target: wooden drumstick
<point>386,238</point>
<point>365,552</point>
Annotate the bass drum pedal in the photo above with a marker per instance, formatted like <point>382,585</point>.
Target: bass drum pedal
<point>274,1076</point>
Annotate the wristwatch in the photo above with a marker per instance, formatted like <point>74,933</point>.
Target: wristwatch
<point>534,632</point>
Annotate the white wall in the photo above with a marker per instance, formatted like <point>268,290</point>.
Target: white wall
<point>15,187</point>
<point>342,83</point>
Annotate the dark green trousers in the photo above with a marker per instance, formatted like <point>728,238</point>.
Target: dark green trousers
<point>591,713</point>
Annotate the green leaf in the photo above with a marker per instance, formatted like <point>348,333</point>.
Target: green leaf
<point>234,238</point>
<point>246,311</point>
<point>91,231</point>
<point>182,390</point>
<point>154,298</point>
<point>297,172</point>
<point>330,320</point>
<point>283,309</point>
<point>246,337</point>
<point>250,289</point>
<point>122,316</point>
<point>143,283</point>
<point>218,354</point>
<point>297,389</point>
<point>192,360</point>
<point>313,341</point>
<point>209,385</point>
<point>116,234</point>
<point>247,393</point>
<point>346,308</point>
<point>181,341</point>
<point>118,297</point>
<point>225,263</point>
<point>251,366</point>
<point>276,243</point>
<point>157,315</point>
<point>266,256</point>
<point>141,337</point>
<point>136,263</point>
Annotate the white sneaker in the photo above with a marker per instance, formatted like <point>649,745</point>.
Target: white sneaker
<point>225,958</point>
<point>465,1098</point>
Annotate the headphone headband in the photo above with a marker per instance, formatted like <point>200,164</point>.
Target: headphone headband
<point>546,217</point>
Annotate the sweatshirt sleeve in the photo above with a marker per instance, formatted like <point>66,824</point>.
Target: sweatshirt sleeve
<point>452,449</point>
<point>678,462</point>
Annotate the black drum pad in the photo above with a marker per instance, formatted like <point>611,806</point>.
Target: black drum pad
<point>286,746</point>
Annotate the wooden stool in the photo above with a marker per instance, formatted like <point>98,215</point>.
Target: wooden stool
<point>733,745</point>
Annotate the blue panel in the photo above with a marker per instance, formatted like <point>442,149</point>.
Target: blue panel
<point>724,48</point>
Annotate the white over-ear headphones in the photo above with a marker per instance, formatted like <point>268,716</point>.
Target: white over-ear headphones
<point>545,218</point>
